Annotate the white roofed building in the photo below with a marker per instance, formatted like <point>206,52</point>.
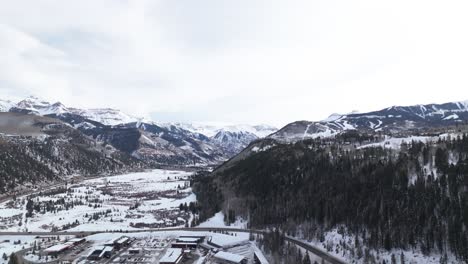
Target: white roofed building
<point>229,258</point>
<point>172,256</point>
<point>54,250</point>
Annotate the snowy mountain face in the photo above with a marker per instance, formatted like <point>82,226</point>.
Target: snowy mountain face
<point>394,119</point>
<point>230,139</point>
<point>233,142</point>
<point>5,105</point>
<point>34,105</point>
<point>175,145</point>
<point>260,131</point>
<point>106,116</point>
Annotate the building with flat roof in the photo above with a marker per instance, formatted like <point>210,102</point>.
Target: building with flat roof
<point>172,256</point>
<point>101,252</point>
<point>229,258</point>
<point>57,249</point>
<point>119,242</point>
<point>185,245</point>
<point>106,252</point>
<point>77,241</point>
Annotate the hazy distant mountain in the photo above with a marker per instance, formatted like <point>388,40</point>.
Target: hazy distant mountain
<point>211,130</point>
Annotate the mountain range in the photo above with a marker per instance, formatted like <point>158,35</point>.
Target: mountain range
<point>156,143</point>
<point>391,120</point>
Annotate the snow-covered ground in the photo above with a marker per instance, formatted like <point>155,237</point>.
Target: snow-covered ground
<point>334,241</point>
<point>147,199</point>
<point>395,142</point>
<point>218,221</point>
<point>11,244</point>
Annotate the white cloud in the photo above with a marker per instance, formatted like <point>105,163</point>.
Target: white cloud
<point>235,61</point>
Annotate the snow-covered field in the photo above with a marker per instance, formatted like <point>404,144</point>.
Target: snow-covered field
<point>147,199</point>
<point>218,221</point>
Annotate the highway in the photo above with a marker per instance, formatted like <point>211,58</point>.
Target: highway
<point>316,251</point>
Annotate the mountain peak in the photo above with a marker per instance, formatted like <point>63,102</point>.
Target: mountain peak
<point>333,117</point>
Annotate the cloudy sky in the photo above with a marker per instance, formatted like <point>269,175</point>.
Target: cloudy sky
<point>243,61</point>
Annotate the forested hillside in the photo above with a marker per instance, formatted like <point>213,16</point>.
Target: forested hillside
<point>38,149</point>
<point>414,196</point>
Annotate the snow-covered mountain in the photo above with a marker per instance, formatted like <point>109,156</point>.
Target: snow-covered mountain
<point>5,105</point>
<point>231,139</point>
<point>211,130</point>
<point>106,116</point>
<point>37,106</point>
<point>34,105</point>
<point>113,117</point>
<point>169,143</point>
<point>393,119</point>
<point>233,142</point>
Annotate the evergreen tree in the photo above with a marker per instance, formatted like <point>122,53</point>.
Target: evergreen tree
<point>14,259</point>
<point>306,259</point>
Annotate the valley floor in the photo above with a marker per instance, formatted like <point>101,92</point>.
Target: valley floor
<point>124,202</point>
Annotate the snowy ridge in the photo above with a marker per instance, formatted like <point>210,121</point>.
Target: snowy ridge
<point>106,116</point>
<point>210,130</point>
<point>388,120</point>
<point>37,106</point>
<point>113,117</point>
